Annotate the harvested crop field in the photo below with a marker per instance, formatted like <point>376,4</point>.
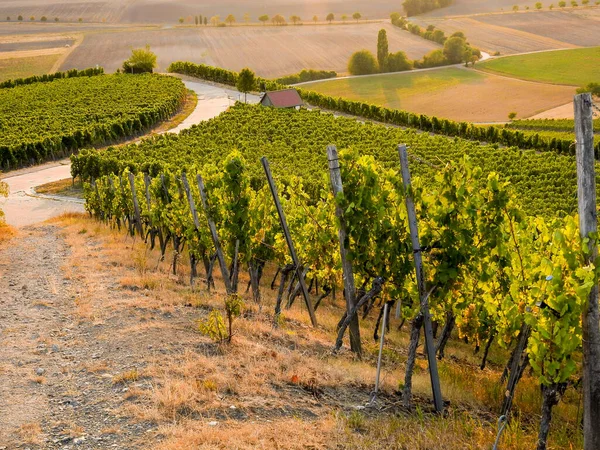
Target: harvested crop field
<point>454,93</point>
<point>270,51</point>
<point>565,26</point>
<point>495,38</point>
<point>11,68</point>
<point>576,67</point>
<point>169,11</point>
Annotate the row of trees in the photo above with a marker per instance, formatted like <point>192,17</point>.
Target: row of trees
<point>32,19</point>
<point>277,19</point>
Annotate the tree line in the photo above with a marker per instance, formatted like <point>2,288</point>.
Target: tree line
<point>277,19</point>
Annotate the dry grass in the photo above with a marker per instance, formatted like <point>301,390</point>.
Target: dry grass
<point>6,232</point>
<point>31,433</point>
<point>282,386</point>
<point>65,187</point>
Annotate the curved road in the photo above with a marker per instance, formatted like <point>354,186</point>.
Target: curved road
<point>25,207</point>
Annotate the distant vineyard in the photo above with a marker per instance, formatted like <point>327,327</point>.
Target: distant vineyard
<point>491,134</point>
<point>548,124</point>
<point>293,141</point>
<point>43,120</point>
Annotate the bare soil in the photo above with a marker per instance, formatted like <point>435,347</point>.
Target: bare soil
<point>270,51</point>
<point>494,37</point>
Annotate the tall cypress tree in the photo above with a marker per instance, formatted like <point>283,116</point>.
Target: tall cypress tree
<point>382,50</point>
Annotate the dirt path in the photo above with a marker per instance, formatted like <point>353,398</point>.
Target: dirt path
<point>51,392</point>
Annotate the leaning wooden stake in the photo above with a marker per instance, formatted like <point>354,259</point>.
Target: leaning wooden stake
<point>136,206</point>
<point>414,235</point>
<point>290,243</point>
<point>348,274</point>
<point>588,223</point>
<point>215,237</point>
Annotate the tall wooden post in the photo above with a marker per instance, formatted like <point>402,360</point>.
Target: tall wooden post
<point>215,237</point>
<point>290,243</point>
<point>588,223</point>
<point>348,275</point>
<point>414,236</point>
<point>136,206</point>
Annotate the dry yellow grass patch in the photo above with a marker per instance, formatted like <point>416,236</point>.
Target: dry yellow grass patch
<point>30,433</point>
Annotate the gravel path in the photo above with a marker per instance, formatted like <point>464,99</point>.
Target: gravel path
<point>53,394</point>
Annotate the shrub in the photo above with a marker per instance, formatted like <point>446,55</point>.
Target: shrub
<point>142,60</point>
<point>362,63</point>
<point>398,62</point>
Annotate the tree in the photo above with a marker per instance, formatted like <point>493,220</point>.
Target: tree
<point>357,16</point>
<point>44,19</point>
<point>512,115</point>
<point>315,19</point>
<point>80,20</point>
<point>200,19</point>
<point>205,20</point>
<point>362,63</point>
<point>454,49</point>
<point>515,8</point>
<point>196,20</point>
<point>344,18</point>
<point>264,19</point>
<point>398,62</point>
<point>8,18</point>
<point>56,19</point>
<point>585,2</point>
<point>295,19</point>
<point>574,4</point>
<point>32,18</point>
<point>181,20</point>
<point>562,4</point>
<point>551,7</point>
<point>20,18</point>
<point>246,18</point>
<point>395,17</point>
<point>142,60</point>
<point>330,17</point>
<point>382,50</point>
<point>230,19</point>
<point>214,20</point>
<point>246,82</point>
<point>538,5</point>
<point>278,20</point>
<point>593,88</point>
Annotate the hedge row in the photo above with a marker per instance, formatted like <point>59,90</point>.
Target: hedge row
<point>73,73</point>
<point>491,134</point>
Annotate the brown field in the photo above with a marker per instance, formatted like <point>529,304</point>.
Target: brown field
<point>453,92</point>
<point>565,26</point>
<point>271,51</point>
<point>463,7</point>
<point>495,38</point>
<point>12,68</point>
<point>169,11</point>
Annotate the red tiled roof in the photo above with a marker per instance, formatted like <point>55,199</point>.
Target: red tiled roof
<point>287,98</point>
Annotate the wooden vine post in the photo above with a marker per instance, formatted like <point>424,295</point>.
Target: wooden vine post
<point>215,237</point>
<point>136,206</point>
<point>288,239</point>
<point>348,275</point>
<point>588,223</point>
<point>423,295</point>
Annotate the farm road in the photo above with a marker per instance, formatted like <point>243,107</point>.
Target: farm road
<point>24,207</point>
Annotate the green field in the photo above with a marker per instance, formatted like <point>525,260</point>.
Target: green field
<point>576,67</point>
<point>453,92</point>
<point>14,68</point>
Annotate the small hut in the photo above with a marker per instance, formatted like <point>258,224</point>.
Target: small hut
<point>287,98</point>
